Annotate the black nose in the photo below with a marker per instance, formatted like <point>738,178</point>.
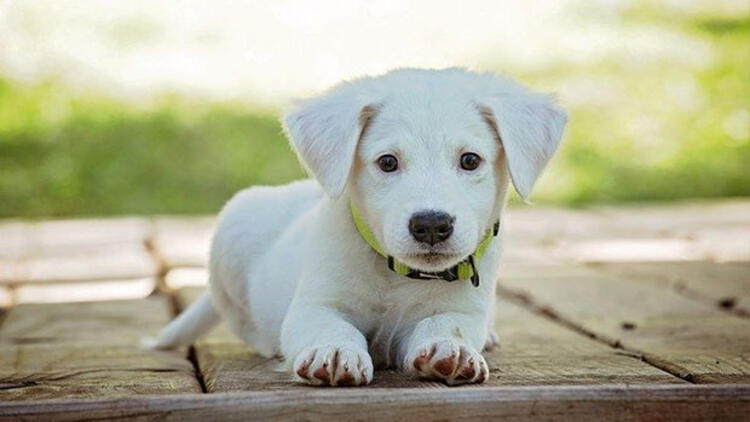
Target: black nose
<point>431,226</point>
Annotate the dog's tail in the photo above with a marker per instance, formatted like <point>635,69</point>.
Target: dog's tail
<point>197,320</point>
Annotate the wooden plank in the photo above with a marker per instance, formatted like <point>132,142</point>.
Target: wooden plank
<point>88,350</point>
<point>628,249</point>
<point>6,297</point>
<point>534,351</point>
<point>182,242</point>
<point>131,260</point>
<point>74,251</point>
<point>20,239</point>
<point>715,230</point>
<point>726,285</point>
<point>694,340</point>
<point>178,278</point>
<point>85,291</point>
<point>558,403</point>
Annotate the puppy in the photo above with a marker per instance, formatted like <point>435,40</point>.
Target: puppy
<point>389,257</point>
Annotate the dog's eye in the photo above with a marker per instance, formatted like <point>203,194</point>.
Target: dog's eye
<point>470,161</point>
<point>388,163</point>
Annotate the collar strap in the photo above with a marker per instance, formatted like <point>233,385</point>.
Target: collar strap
<point>464,270</point>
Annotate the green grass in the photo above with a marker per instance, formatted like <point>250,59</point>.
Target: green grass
<point>669,131</point>
<point>91,156</point>
<point>673,131</point>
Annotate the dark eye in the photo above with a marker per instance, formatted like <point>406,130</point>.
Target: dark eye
<point>470,161</point>
<point>388,163</point>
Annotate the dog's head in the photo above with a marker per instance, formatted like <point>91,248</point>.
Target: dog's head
<point>426,155</point>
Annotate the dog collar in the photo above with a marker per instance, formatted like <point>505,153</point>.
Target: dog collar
<point>464,270</point>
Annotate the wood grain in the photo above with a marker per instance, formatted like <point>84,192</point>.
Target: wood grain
<point>686,337</point>
<point>533,351</point>
<point>88,350</point>
<point>558,403</point>
<point>726,285</point>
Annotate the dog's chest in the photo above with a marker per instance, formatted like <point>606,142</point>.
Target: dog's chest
<point>399,305</point>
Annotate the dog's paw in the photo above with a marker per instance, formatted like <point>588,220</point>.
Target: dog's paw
<point>333,365</point>
<point>449,361</point>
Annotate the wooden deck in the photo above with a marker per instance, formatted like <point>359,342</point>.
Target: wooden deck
<point>628,313</point>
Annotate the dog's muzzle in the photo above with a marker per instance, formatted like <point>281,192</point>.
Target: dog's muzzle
<point>464,270</point>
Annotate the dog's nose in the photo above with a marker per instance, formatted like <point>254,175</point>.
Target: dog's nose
<point>431,226</point>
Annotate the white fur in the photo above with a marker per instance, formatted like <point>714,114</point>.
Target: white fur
<point>292,276</point>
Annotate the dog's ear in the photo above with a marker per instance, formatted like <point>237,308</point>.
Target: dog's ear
<point>325,132</point>
<point>529,127</point>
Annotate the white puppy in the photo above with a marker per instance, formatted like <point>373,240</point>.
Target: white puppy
<point>353,270</point>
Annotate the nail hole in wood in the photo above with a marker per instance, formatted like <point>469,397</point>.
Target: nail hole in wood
<point>628,325</point>
<point>727,302</point>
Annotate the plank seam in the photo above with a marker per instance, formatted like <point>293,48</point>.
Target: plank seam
<point>161,266</point>
<point>192,355</point>
<point>678,286</point>
<point>193,358</point>
<point>545,311</point>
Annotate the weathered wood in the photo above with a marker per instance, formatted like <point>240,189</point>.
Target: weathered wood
<point>121,261</point>
<point>85,291</point>
<point>680,216</point>
<point>716,230</point>
<point>533,351</point>
<point>536,351</point>
<point>72,251</point>
<point>20,239</point>
<point>662,312</point>
<point>88,350</point>
<point>178,278</point>
<point>689,338</point>
<point>710,230</point>
<point>726,285</point>
<point>6,297</point>
<point>558,403</point>
<point>182,242</point>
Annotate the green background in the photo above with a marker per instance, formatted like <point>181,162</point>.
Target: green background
<point>659,131</point>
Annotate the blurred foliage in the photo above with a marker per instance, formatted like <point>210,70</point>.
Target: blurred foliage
<point>653,131</point>
<point>663,130</point>
<point>82,155</point>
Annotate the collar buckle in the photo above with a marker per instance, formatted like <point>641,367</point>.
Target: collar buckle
<point>449,275</point>
<point>474,272</point>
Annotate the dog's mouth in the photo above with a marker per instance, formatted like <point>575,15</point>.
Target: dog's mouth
<point>431,261</point>
<point>431,256</point>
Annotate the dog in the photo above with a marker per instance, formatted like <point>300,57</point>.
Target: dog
<point>388,257</point>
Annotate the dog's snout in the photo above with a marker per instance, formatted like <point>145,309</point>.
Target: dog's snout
<point>431,226</point>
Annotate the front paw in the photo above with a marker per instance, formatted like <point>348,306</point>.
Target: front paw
<point>333,365</point>
<point>449,361</point>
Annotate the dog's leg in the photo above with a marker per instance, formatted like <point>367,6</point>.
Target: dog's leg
<point>446,347</point>
<point>325,349</point>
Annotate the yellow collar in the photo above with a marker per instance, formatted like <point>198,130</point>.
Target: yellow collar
<point>464,270</point>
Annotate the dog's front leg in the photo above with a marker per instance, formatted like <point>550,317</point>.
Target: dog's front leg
<point>446,347</point>
<point>325,348</point>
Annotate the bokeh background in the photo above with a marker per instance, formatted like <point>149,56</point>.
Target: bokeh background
<point>145,107</point>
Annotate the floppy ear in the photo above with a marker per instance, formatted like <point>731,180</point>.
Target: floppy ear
<point>529,127</point>
<point>325,131</point>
